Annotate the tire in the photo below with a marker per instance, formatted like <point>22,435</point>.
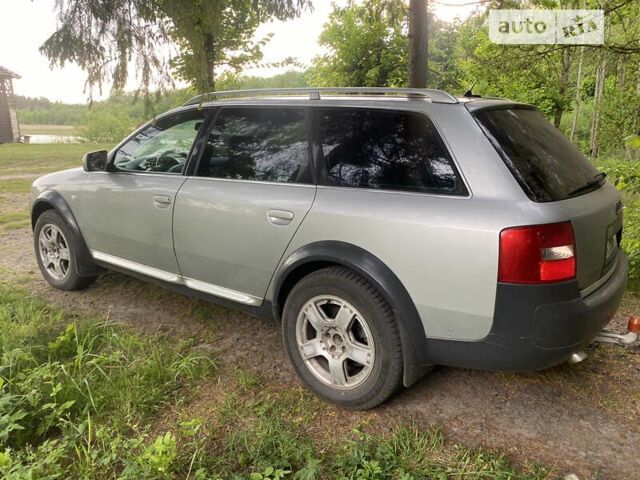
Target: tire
<point>342,338</point>
<point>55,248</point>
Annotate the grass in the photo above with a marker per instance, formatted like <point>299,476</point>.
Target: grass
<point>11,217</point>
<point>17,158</point>
<point>66,380</point>
<point>13,214</point>
<point>16,185</point>
<point>83,398</point>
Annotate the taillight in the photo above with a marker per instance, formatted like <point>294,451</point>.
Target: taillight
<point>537,254</point>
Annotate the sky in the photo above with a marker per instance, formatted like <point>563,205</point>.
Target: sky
<point>26,24</point>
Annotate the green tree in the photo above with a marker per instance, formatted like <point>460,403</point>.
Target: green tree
<point>366,47</point>
<point>106,38</point>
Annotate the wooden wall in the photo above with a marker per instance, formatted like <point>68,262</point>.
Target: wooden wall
<point>9,128</point>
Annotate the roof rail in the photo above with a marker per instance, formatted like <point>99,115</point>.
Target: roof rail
<point>437,96</point>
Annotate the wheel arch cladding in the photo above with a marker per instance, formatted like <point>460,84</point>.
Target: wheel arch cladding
<point>52,200</point>
<point>318,255</point>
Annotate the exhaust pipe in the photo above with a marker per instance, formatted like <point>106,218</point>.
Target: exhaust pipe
<point>577,357</point>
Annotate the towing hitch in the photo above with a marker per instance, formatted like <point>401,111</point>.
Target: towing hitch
<point>623,340</point>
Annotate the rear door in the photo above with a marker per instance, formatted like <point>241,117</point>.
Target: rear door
<point>251,189</point>
<point>550,168</point>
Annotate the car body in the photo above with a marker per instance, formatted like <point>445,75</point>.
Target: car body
<point>262,193</point>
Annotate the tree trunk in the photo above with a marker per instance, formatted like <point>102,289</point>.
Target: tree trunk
<point>576,111</point>
<point>635,118</point>
<point>418,44</point>
<point>564,80</point>
<point>209,58</point>
<point>578,86</point>
<point>601,74</point>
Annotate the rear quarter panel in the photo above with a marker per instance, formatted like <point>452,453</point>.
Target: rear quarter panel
<point>443,249</point>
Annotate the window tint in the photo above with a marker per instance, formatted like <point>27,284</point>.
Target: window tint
<point>162,147</point>
<point>267,144</point>
<point>386,150</point>
<point>547,165</point>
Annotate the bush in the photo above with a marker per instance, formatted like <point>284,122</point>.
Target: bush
<point>625,175</point>
<point>105,127</point>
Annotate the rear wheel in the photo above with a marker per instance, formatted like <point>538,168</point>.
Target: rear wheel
<point>342,338</point>
<point>55,248</point>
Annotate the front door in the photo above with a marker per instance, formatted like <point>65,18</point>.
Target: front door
<point>251,190</point>
<point>126,216</point>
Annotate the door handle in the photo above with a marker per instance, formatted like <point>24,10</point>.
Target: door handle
<point>161,201</point>
<point>280,217</point>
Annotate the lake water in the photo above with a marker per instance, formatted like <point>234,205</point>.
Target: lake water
<point>54,139</point>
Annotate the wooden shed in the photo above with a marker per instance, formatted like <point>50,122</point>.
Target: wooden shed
<point>9,128</point>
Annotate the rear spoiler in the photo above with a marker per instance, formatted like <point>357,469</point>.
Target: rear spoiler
<point>496,104</point>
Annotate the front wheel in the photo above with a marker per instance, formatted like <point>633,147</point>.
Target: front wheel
<point>343,339</point>
<point>55,247</point>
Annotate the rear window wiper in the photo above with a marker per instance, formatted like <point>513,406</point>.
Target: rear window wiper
<point>597,180</point>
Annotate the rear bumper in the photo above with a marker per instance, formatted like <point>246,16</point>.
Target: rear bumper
<point>537,326</point>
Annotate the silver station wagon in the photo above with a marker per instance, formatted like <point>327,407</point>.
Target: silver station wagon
<point>389,230</point>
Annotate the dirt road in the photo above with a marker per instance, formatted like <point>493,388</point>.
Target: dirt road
<point>582,418</point>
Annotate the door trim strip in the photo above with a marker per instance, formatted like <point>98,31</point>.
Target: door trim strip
<point>136,267</point>
<point>191,283</point>
<point>222,292</point>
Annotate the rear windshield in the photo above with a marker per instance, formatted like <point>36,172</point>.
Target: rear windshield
<point>545,163</point>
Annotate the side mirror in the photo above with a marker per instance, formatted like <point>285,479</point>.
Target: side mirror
<point>95,161</point>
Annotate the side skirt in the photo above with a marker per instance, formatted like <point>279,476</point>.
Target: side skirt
<point>264,310</point>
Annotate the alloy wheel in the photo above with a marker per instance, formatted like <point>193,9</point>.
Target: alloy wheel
<point>54,252</point>
<point>335,342</point>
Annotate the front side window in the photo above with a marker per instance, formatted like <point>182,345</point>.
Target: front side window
<point>389,150</point>
<point>162,147</point>
<point>263,144</point>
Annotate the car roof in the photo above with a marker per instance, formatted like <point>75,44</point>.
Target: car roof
<point>317,93</point>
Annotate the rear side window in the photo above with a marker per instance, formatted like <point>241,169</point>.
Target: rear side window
<point>383,149</point>
<point>545,163</point>
<point>265,144</point>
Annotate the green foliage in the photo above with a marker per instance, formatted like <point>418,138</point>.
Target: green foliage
<point>105,127</point>
<point>220,35</point>
<point>367,47</point>
<point>270,473</point>
<point>625,175</point>
<point>43,111</point>
<point>509,71</point>
<point>632,141</point>
<point>290,79</point>
<point>631,240</point>
<point>81,381</point>
<point>411,453</point>
<point>124,107</point>
<point>105,39</point>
